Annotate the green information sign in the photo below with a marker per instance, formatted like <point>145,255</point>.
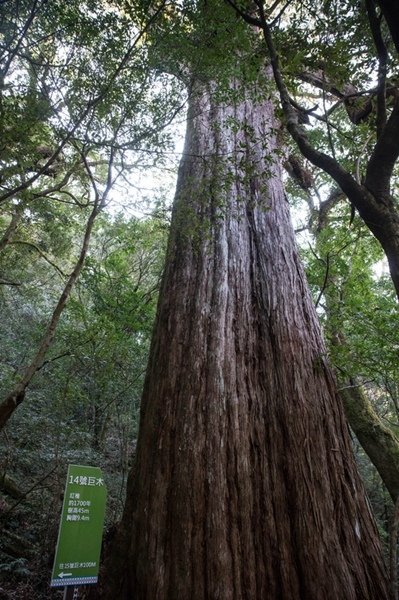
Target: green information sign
<point>78,550</point>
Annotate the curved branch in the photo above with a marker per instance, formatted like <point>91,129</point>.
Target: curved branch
<point>333,198</point>
<point>247,17</point>
<point>331,166</point>
<point>35,247</point>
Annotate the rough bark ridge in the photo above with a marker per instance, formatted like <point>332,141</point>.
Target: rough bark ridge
<point>244,485</point>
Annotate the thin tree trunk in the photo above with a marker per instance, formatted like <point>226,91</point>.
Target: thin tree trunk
<point>379,443</point>
<point>9,404</point>
<point>244,485</point>
<point>12,227</point>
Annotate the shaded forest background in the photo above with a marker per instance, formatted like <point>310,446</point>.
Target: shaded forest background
<point>90,97</point>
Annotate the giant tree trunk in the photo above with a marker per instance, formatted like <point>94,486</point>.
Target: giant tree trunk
<point>244,485</point>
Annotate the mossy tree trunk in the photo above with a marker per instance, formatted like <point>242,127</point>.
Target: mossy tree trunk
<point>378,441</point>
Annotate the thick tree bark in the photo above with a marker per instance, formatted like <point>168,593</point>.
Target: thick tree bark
<point>244,485</point>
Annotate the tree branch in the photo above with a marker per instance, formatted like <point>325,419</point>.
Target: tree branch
<point>384,156</point>
<point>382,53</point>
<point>17,395</point>
<point>12,53</point>
<point>248,18</point>
<point>12,227</point>
<point>35,247</point>
<point>12,283</point>
<point>325,282</point>
<point>390,11</point>
<point>346,182</point>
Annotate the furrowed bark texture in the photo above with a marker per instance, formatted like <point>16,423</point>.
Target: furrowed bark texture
<point>244,485</point>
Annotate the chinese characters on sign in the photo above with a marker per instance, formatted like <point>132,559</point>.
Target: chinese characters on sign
<point>79,539</point>
<point>84,480</point>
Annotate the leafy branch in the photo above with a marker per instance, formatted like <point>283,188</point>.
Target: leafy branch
<point>372,198</point>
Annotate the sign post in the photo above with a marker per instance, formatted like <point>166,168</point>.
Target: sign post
<point>71,593</point>
<point>77,556</point>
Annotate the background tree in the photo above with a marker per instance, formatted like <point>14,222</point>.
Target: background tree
<point>73,114</point>
<point>83,403</point>
<point>72,118</point>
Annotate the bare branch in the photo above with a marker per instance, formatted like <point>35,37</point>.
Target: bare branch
<point>40,252</point>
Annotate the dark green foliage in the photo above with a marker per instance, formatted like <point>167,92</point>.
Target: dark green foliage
<point>83,405</point>
<point>79,110</point>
